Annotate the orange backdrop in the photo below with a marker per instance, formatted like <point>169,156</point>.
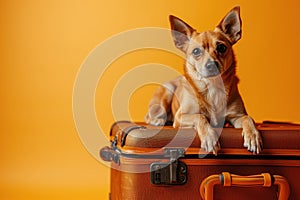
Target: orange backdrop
<point>44,43</point>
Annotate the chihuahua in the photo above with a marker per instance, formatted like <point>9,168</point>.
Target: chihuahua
<point>207,95</point>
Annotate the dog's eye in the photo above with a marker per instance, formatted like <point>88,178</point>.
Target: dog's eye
<point>197,52</point>
<point>221,48</point>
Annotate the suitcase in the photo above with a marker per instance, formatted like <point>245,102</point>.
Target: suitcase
<point>161,162</point>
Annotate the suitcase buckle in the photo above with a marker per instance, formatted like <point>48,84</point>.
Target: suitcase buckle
<point>173,172</point>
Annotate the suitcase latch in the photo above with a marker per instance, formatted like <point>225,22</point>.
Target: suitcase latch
<point>111,153</point>
<point>173,172</point>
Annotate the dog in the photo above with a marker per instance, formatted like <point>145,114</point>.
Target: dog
<point>207,95</point>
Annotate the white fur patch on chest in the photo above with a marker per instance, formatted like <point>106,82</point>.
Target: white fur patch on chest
<point>216,97</point>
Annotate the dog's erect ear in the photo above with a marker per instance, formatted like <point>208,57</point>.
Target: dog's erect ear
<point>231,25</point>
<point>181,32</point>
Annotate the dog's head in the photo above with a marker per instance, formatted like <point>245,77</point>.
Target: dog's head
<point>208,53</point>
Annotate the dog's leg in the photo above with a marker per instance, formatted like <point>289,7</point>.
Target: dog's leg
<point>159,110</point>
<point>159,107</point>
<point>252,138</point>
<point>209,137</point>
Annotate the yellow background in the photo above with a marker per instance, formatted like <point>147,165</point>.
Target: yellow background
<point>43,44</point>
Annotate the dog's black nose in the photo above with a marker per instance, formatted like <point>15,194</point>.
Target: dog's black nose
<point>212,66</point>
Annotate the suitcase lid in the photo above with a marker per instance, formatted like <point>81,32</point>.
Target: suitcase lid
<point>279,139</point>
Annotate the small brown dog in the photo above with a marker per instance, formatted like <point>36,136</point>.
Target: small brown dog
<point>207,94</point>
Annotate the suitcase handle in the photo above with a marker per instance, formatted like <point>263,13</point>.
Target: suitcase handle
<point>226,179</point>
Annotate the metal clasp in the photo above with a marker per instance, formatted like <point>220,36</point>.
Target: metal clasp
<point>173,172</point>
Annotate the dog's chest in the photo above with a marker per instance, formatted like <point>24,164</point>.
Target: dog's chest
<point>214,99</point>
<point>200,97</point>
<point>217,99</point>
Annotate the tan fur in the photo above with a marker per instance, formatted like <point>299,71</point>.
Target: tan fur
<point>207,94</point>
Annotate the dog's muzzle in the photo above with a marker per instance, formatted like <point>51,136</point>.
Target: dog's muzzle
<point>211,69</point>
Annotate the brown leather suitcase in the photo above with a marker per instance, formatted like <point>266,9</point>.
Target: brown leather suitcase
<point>149,162</point>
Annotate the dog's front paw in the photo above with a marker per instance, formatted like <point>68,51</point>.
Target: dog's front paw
<point>156,115</point>
<point>252,140</point>
<point>155,121</point>
<point>210,141</point>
